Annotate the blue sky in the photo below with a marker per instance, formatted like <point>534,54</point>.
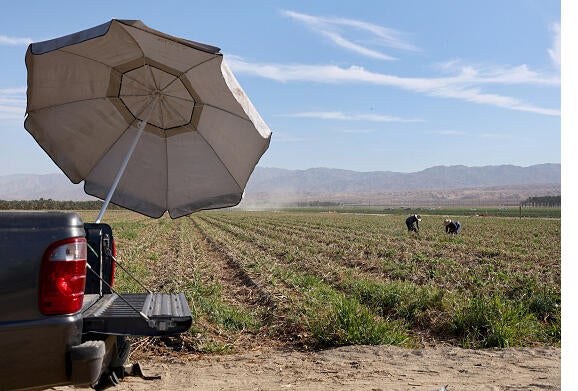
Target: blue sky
<point>364,85</point>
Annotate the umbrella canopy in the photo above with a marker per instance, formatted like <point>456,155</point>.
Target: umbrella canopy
<point>122,89</point>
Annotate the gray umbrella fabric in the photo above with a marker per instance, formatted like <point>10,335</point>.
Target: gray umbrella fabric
<point>92,94</point>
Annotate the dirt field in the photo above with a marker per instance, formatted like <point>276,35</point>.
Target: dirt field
<point>355,368</point>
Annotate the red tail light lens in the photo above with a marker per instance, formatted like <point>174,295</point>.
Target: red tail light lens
<point>62,277</point>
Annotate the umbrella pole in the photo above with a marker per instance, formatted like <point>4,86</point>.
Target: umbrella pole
<point>140,129</point>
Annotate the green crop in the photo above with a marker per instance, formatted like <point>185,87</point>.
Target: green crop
<point>330,279</point>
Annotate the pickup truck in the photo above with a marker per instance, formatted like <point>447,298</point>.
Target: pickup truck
<point>61,320</point>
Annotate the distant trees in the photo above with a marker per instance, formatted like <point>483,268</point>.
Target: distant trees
<point>304,204</point>
<point>542,202</point>
<point>50,204</point>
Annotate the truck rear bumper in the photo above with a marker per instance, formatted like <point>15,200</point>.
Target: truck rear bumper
<point>86,362</point>
<point>48,352</point>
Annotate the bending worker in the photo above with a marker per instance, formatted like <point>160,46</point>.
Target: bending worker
<point>452,227</point>
<point>412,223</point>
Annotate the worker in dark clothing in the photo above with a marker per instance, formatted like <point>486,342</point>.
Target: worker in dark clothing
<point>452,226</point>
<point>412,223</point>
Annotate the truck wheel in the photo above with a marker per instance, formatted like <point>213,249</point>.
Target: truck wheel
<point>107,380</point>
<point>122,351</point>
<point>115,371</point>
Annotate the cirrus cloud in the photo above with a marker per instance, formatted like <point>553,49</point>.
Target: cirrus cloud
<point>339,116</point>
<point>12,103</point>
<point>346,33</point>
<point>14,41</point>
<point>556,52</point>
<point>465,84</point>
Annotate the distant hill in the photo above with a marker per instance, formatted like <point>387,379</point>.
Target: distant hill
<point>33,187</point>
<point>437,186</point>
<point>328,180</point>
<point>336,184</point>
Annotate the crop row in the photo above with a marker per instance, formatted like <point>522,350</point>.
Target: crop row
<point>431,282</point>
<point>330,279</point>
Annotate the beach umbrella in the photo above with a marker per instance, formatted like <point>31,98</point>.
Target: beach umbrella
<point>148,121</point>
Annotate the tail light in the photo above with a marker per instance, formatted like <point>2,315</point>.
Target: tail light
<point>62,277</point>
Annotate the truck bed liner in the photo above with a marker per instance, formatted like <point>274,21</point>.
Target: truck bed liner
<point>138,314</point>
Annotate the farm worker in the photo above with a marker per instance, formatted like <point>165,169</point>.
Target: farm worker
<point>412,223</point>
<point>452,227</point>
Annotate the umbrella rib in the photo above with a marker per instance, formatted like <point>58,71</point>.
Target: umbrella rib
<point>189,126</point>
<point>71,102</point>
<point>106,66</point>
<point>132,95</point>
<point>137,44</point>
<point>191,68</point>
<point>185,42</point>
<point>179,97</point>
<point>136,81</point>
<point>81,56</point>
<point>227,111</point>
<point>202,62</point>
<point>216,154</point>
<point>167,109</point>
<point>156,86</point>
<point>214,55</point>
<point>152,75</point>
<point>100,62</point>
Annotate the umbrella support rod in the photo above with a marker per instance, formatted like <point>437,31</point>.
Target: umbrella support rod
<point>140,129</point>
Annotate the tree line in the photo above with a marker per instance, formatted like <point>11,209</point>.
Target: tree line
<point>50,204</point>
<point>542,202</point>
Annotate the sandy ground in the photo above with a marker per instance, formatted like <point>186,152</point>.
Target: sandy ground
<point>356,368</point>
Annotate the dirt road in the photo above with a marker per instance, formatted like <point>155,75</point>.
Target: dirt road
<point>356,368</point>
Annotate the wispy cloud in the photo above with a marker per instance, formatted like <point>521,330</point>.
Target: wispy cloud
<point>287,137</point>
<point>14,41</point>
<point>463,84</point>
<point>358,131</point>
<point>339,116</point>
<point>485,74</point>
<point>448,132</point>
<point>12,103</point>
<point>556,52</point>
<point>496,136</point>
<point>345,33</point>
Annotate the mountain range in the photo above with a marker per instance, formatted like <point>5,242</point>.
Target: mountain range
<point>327,180</point>
<point>330,183</point>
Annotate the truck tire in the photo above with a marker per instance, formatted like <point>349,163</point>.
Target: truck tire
<point>115,371</point>
<point>107,380</point>
<point>122,352</point>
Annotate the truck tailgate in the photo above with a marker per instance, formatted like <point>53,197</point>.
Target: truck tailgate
<point>138,314</point>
